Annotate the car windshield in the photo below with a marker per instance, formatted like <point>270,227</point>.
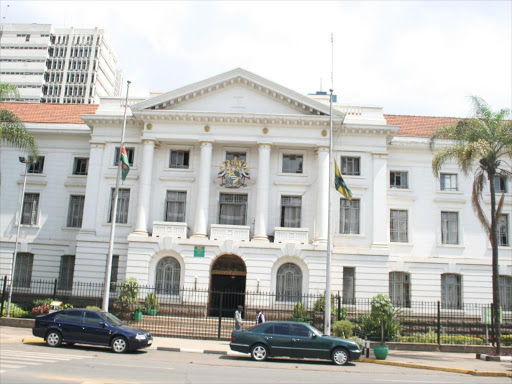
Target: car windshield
<point>112,319</point>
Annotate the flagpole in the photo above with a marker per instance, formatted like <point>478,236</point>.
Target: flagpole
<point>106,288</point>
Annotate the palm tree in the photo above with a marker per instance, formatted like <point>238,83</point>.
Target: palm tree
<point>483,145</point>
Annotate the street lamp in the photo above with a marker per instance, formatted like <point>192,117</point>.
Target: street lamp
<point>18,214</point>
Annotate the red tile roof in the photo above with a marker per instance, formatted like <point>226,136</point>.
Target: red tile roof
<point>50,113</point>
<point>419,126</point>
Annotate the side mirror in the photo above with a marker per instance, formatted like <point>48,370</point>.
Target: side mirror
<point>313,335</point>
<point>103,324</point>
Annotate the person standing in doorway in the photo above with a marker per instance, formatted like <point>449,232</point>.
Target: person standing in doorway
<point>238,318</point>
<point>260,317</point>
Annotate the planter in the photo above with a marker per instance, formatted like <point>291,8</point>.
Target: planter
<point>137,316</point>
<point>381,351</point>
<point>151,312</point>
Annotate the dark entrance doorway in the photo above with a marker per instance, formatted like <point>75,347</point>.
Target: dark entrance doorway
<point>227,286</point>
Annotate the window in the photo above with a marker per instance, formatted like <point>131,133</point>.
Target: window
<point>36,167</point>
<point>500,184</point>
<point>350,166</point>
<point>292,163</point>
<point>233,209</point>
<point>30,208</point>
<point>451,291</point>
<point>448,182</point>
<point>400,289</point>
<point>23,270</point>
<point>450,227</point>
<point>300,330</point>
<point>282,329</point>
<point>349,285</point>
<point>76,211</point>
<point>506,292</point>
<point>93,318</point>
<point>168,276</point>
<point>179,159</point>
<point>290,211</point>
<point>398,226</point>
<point>75,316</point>
<point>238,155</point>
<point>398,180</point>
<point>503,239</point>
<point>80,166</point>
<point>114,269</point>
<point>349,216</point>
<point>67,268</point>
<point>123,202</point>
<point>289,283</point>
<point>175,206</point>
<point>130,152</point>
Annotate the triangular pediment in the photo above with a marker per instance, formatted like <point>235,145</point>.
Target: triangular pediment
<point>236,91</point>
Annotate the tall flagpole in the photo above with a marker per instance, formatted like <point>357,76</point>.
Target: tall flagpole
<point>327,315</point>
<point>106,288</point>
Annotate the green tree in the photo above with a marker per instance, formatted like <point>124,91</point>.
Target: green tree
<point>481,144</point>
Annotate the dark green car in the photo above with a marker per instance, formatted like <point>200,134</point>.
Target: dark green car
<point>293,339</point>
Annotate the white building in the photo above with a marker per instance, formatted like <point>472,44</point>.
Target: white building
<point>51,65</point>
<point>405,232</point>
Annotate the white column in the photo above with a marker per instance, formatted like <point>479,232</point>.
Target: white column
<point>203,190</point>
<point>380,208</point>
<point>144,193</point>
<point>263,189</point>
<point>322,194</point>
<point>92,188</point>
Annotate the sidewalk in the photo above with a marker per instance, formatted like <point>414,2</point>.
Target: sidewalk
<point>451,362</point>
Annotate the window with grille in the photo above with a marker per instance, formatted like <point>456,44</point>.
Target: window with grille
<point>500,184</point>
<point>179,159</point>
<point>175,206</point>
<point>233,209</point>
<point>506,292</point>
<point>168,276</point>
<point>349,285</point>
<point>36,167</point>
<point>123,201</point>
<point>398,226</point>
<point>238,155</point>
<point>67,268</point>
<point>76,211</point>
<point>114,270</point>
<point>292,163</point>
<point>80,166</point>
<point>290,211</point>
<point>398,180</point>
<point>448,182</point>
<point>30,208</point>
<point>23,270</point>
<point>451,291</point>
<point>289,283</point>
<point>450,227</point>
<point>400,289</point>
<point>130,152</point>
<point>349,216</point>
<point>350,166</point>
<point>503,238</point>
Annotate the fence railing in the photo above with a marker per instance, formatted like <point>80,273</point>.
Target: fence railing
<point>201,313</point>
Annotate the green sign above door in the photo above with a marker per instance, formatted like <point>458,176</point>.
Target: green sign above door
<point>199,251</point>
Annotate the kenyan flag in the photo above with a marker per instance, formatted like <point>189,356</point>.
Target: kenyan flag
<point>125,164</point>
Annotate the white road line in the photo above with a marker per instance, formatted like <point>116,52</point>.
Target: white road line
<point>421,382</point>
<point>12,360</point>
<point>34,358</point>
<point>44,355</point>
<point>2,371</point>
<point>10,366</point>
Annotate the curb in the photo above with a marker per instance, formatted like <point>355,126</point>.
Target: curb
<point>197,350</point>
<point>483,356</point>
<point>32,340</point>
<point>432,368</point>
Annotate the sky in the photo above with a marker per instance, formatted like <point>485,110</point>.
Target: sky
<point>410,57</point>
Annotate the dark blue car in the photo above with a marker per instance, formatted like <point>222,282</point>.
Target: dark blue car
<point>84,326</point>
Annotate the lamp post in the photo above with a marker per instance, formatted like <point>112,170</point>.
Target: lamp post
<point>18,214</point>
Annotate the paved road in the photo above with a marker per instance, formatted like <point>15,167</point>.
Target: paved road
<point>36,363</point>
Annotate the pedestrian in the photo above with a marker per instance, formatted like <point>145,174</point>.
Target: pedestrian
<point>238,318</point>
<point>260,317</point>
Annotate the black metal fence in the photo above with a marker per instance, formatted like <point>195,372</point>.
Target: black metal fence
<point>200,313</point>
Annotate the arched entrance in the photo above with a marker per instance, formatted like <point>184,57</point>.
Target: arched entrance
<point>227,285</point>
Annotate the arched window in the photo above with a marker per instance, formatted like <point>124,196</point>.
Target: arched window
<point>289,283</point>
<point>168,276</point>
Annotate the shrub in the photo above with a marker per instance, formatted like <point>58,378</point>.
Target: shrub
<point>16,311</point>
<point>93,307</point>
<point>129,289</point>
<point>343,328</point>
<point>431,338</point>
<point>370,325</point>
<point>506,339</point>
<point>299,311</point>
<point>151,301</point>
<point>41,310</point>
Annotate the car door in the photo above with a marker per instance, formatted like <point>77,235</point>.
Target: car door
<point>305,342</point>
<point>96,329</point>
<point>280,339</point>
<point>70,323</point>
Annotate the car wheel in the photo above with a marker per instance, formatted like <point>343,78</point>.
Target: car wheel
<point>340,356</point>
<point>53,339</point>
<point>119,344</point>
<point>259,352</point>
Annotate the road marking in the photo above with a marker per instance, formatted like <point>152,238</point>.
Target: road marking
<point>10,366</point>
<point>10,360</point>
<point>416,381</point>
<point>86,380</point>
<point>46,355</point>
<point>20,359</point>
<point>2,371</point>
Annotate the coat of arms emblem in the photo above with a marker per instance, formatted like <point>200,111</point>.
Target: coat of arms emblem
<point>233,173</point>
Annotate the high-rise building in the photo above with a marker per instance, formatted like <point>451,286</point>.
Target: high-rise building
<point>51,65</point>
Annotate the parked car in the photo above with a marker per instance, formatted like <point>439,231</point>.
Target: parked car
<point>84,326</point>
<point>293,339</point>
